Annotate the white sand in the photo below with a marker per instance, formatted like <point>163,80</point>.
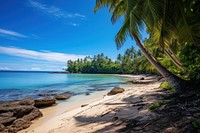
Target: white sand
<point>102,114</point>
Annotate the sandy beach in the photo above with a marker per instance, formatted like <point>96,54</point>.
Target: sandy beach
<point>101,113</point>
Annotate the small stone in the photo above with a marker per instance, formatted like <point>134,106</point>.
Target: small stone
<point>84,105</point>
<point>142,78</point>
<point>87,93</point>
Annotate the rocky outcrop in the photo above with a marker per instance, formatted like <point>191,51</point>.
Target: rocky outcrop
<point>45,102</point>
<point>17,115</point>
<point>62,97</point>
<point>2,127</point>
<point>116,90</point>
<point>17,125</point>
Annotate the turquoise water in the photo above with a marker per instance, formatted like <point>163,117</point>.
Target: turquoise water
<point>16,85</point>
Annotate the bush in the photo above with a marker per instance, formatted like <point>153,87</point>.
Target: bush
<point>166,86</point>
<point>157,104</point>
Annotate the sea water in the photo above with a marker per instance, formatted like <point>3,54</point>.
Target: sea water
<point>15,85</point>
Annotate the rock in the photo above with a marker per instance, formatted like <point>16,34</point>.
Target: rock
<point>7,114</point>
<point>7,120</point>
<point>62,97</point>
<point>19,124</point>
<point>23,110</point>
<point>27,101</point>
<point>15,106</point>
<point>84,105</point>
<point>46,95</point>
<point>17,115</point>
<point>45,102</point>
<point>35,113</point>
<point>87,93</point>
<point>116,90</point>
<point>142,78</point>
<point>2,127</point>
<point>67,93</point>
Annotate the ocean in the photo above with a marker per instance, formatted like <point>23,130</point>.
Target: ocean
<point>16,85</point>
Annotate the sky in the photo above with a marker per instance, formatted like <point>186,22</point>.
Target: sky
<point>41,35</point>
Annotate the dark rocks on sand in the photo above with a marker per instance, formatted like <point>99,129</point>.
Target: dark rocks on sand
<point>87,93</point>
<point>18,124</point>
<point>84,105</point>
<point>7,120</point>
<point>17,115</point>
<point>35,113</point>
<point>142,78</point>
<point>62,97</point>
<point>45,102</point>
<point>116,90</point>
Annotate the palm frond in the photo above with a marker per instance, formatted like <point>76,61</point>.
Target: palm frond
<point>122,34</point>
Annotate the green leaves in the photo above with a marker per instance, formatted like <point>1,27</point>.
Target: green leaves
<point>157,104</point>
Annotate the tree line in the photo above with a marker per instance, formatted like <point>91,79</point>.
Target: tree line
<point>129,63</point>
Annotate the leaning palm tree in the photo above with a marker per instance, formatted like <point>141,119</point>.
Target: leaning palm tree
<point>135,17</point>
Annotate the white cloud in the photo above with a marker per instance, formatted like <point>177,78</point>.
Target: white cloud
<point>39,55</point>
<point>74,24</point>
<point>11,33</point>
<point>35,68</point>
<point>4,68</point>
<point>79,15</point>
<point>53,11</point>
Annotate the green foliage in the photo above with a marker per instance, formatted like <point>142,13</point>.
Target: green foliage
<point>196,123</point>
<point>166,86</point>
<point>157,104</point>
<point>132,62</point>
<point>96,64</point>
<point>174,33</point>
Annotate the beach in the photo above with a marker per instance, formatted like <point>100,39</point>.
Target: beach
<point>99,112</point>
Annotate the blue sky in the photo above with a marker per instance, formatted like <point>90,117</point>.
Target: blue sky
<point>43,35</point>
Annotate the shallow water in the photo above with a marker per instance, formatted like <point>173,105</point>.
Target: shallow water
<point>16,85</point>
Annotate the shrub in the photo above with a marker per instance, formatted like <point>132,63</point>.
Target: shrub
<point>166,86</point>
<point>157,104</point>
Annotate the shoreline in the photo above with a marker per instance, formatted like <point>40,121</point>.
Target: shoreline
<point>53,112</point>
<point>54,116</point>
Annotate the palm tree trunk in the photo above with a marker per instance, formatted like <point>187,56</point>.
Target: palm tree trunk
<point>175,81</point>
<point>174,56</point>
<point>174,60</point>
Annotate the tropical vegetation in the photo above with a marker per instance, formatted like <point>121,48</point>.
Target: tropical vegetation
<point>174,29</point>
<point>132,62</point>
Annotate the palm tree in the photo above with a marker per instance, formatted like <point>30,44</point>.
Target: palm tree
<point>168,50</point>
<point>134,18</point>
